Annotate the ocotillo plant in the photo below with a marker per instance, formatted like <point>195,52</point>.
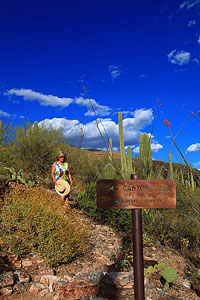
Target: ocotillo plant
<point>170,167</point>
<point>129,162</point>
<point>145,155</point>
<point>122,149</point>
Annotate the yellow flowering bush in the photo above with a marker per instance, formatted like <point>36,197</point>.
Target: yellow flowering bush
<point>35,220</point>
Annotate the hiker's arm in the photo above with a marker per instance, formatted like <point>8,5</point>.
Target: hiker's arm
<point>53,172</point>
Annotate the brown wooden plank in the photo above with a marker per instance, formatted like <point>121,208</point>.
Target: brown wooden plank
<point>130,194</point>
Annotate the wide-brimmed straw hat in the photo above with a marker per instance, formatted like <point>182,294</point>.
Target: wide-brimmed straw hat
<point>62,187</point>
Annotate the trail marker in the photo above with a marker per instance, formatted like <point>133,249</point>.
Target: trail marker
<point>136,194</point>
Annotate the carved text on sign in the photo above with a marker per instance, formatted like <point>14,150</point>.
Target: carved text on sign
<point>136,194</point>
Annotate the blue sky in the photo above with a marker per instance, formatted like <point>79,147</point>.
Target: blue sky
<point>127,54</point>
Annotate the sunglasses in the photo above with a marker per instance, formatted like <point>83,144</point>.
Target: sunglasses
<point>62,157</point>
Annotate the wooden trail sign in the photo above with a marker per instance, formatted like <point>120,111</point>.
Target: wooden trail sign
<point>136,194</point>
<point>130,194</point>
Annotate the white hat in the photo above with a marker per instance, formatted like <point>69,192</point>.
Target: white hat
<point>62,187</point>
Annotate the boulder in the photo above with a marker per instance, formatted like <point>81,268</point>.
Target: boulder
<point>6,279</point>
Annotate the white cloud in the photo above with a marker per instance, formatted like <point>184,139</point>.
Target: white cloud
<point>198,41</point>
<point>142,117</point>
<point>4,114</point>
<point>49,100</point>
<point>124,112</point>
<point>192,23</point>
<point>92,138</point>
<point>179,57</point>
<point>193,148</point>
<point>99,109</point>
<point>142,75</point>
<point>44,100</point>
<point>155,147</point>
<point>196,60</point>
<point>196,165</point>
<point>114,71</point>
<point>189,4</point>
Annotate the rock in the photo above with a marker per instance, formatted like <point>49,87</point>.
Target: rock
<point>76,290</point>
<point>89,277</point>
<point>53,282</point>
<point>22,276</point>
<point>43,292</point>
<point>7,291</point>
<point>84,284</point>
<point>26,263</point>
<point>2,262</point>
<point>97,298</point>
<point>119,279</point>
<point>186,284</point>
<point>36,288</point>
<point>35,277</point>
<point>118,285</point>
<point>92,298</point>
<point>6,279</point>
<point>16,262</point>
<point>19,288</point>
<point>68,277</point>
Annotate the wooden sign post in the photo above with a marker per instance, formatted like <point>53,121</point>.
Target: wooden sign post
<point>136,194</point>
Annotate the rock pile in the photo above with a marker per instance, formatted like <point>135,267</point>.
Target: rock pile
<point>89,277</point>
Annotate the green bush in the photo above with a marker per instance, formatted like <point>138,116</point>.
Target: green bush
<point>85,164</point>
<point>34,220</point>
<point>6,139</point>
<point>35,148</point>
<point>117,218</point>
<point>177,227</point>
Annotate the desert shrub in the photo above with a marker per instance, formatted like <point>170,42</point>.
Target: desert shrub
<point>34,220</point>
<point>6,139</point>
<point>35,148</point>
<point>177,227</point>
<point>117,218</point>
<point>85,164</point>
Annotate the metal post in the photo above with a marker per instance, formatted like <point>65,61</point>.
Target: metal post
<point>138,263</point>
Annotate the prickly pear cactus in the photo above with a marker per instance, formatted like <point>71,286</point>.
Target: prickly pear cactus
<point>169,275</point>
<point>160,266</point>
<point>149,271</point>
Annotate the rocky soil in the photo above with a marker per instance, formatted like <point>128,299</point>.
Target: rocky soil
<point>93,276</point>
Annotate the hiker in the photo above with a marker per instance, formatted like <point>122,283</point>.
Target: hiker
<point>61,176</point>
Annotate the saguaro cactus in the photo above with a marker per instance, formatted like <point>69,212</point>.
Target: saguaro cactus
<point>129,162</point>
<point>109,171</point>
<point>122,149</point>
<point>110,151</point>
<point>192,178</point>
<point>145,155</point>
<point>182,178</point>
<point>170,167</point>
